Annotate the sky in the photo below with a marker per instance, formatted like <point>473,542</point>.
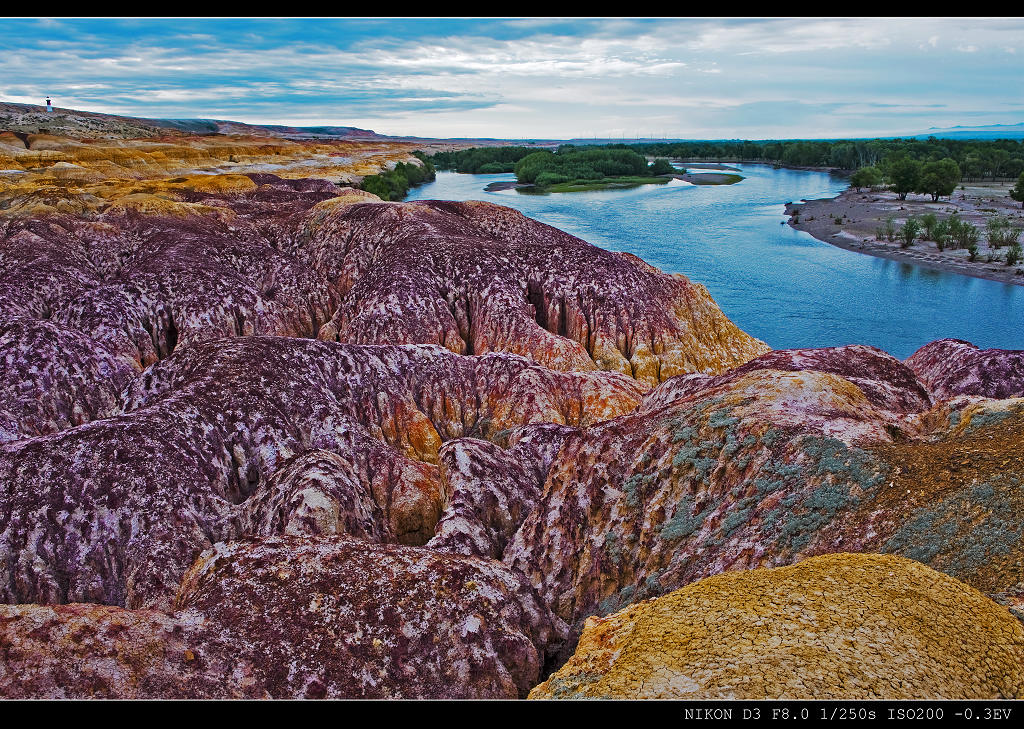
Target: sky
<point>695,78</point>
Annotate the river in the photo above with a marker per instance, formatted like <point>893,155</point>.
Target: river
<point>780,285</point>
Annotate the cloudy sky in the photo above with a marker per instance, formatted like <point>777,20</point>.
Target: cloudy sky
<point>539,77</point>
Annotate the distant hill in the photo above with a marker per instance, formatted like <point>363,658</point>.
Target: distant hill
<point>34,119</point>
<point>990,131</point>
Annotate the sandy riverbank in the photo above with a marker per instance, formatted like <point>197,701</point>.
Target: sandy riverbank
<point>863,212</point>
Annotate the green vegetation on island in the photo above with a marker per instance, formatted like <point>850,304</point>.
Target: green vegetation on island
<point>394,184</point>
<point>571,168</point>
<point>567,169</point>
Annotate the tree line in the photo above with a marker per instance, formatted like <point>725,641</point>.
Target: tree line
<point>904,175</point>
<point>481,160</point>
<point>977,159</point>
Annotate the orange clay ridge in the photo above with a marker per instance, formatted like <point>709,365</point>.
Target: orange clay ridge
<point>265,435</point>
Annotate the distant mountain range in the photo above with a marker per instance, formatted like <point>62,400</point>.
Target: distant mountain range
<point>990,131</point>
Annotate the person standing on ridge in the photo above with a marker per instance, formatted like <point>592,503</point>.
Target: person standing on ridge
<point>49,107</point>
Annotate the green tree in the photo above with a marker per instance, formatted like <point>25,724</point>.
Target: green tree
<point>661,166</point>
<point>938,178</point>
<point>904,174</point>
<point>866,177</point>
<point>1017,191</point>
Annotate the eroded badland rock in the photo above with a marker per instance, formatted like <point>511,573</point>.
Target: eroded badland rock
<point>195,457</point>
<point>264,436</point>
<point>476,278</point>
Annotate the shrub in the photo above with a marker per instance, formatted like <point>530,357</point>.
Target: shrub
<point>1001,231</point>
<point>961,233</point>
<point>908,232</point>
<point>940,234</point>
<point>889,230</point>
<point>928,224</point>
<point>549,178</point>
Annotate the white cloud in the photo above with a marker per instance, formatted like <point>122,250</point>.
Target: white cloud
<point>611,74</point>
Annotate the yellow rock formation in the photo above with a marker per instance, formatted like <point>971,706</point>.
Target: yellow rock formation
<point>44,174</point>
<point>840,626</point>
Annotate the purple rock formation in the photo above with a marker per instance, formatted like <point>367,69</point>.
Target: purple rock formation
<point>489,490</point>
<point>134,498</point>
<point>163,399</point>
<point>286,617</point>
<point>479,278</point>
<point>53,378</point>
<point>951,367</point>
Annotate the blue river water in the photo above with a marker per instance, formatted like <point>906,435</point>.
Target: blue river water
<point>780,285</point>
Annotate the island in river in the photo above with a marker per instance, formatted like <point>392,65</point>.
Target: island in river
<point>713,176</point>
<point>853,218</point>
<point>575,169</point>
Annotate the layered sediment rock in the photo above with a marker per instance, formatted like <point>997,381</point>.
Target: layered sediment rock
<point>844,626</point>
<point>49,174</point>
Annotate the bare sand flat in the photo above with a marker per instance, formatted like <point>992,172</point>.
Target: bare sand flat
<point>862,212</point>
